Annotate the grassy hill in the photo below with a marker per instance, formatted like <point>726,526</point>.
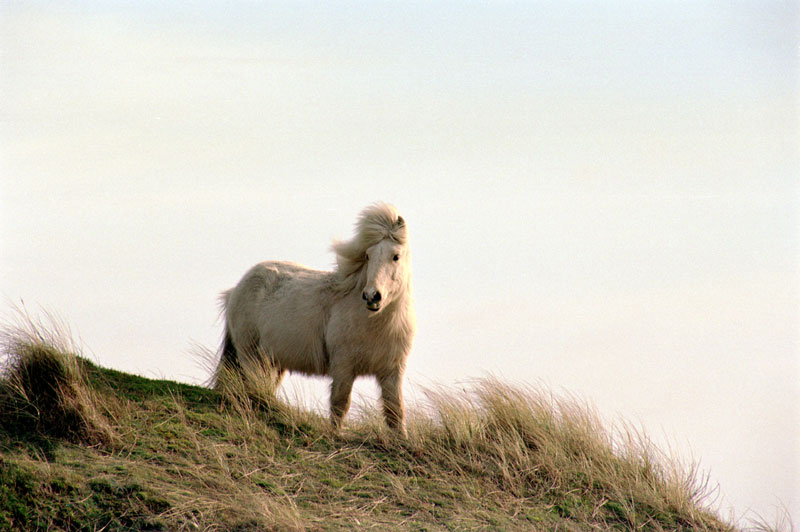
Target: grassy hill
<point>87,448</point>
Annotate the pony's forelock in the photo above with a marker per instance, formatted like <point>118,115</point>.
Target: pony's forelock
<point>377,222</point>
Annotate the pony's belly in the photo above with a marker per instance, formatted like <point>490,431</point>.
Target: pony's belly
<point>294,352</point>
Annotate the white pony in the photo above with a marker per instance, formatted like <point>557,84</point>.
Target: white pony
<point>357,320</point>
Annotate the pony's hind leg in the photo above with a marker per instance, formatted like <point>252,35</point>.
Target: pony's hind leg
<point>271,374</point>
<point>262,370</point>
<point>277,377</point>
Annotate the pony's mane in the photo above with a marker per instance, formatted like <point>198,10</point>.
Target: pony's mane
<point>375,223</point>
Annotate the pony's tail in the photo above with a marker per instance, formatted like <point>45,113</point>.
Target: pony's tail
<point>229,358</point>
<point>228,362</point>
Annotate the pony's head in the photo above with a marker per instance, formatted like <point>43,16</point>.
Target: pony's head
<point>377,259</point>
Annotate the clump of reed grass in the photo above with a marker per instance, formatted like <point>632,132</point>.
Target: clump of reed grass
<point>43,386</point>
<point>535,445</point>
<point>250,391</point>
<point>780,522</point>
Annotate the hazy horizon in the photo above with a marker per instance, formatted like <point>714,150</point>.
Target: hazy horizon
<point>601,198</point>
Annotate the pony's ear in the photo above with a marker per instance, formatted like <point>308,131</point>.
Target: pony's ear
<point>400,221</point>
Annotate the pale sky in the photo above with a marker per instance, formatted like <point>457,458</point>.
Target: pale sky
<point>602,198</point>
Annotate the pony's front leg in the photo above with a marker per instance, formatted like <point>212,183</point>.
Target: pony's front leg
<point>392,398</point>
<point>340,397</point>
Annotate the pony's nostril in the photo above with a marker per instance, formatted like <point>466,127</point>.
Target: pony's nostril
<point>372,298</point>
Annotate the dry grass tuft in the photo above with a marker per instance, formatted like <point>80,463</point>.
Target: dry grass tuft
<point>43,389</point>
<point>536,445</point>
<point>251,394</point>
<point>781,522</point>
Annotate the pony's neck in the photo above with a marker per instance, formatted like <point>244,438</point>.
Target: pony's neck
<point>402,301</point>
<point>347,283</point>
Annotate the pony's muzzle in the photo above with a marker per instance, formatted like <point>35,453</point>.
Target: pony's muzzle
<point>372,298</point>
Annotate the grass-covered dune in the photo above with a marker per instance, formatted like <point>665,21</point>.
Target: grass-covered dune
<point>87,448</point>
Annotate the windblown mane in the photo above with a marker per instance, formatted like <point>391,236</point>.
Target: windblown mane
<point>375,223</point>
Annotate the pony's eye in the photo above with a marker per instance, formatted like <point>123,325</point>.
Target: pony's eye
<point>366,257</point>
<point>396,258</point>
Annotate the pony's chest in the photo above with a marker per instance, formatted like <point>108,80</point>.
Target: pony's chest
<point>372,347</point>
<point>380,357</point>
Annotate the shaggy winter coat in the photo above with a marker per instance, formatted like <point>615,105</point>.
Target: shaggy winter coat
<point>357,320</point>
